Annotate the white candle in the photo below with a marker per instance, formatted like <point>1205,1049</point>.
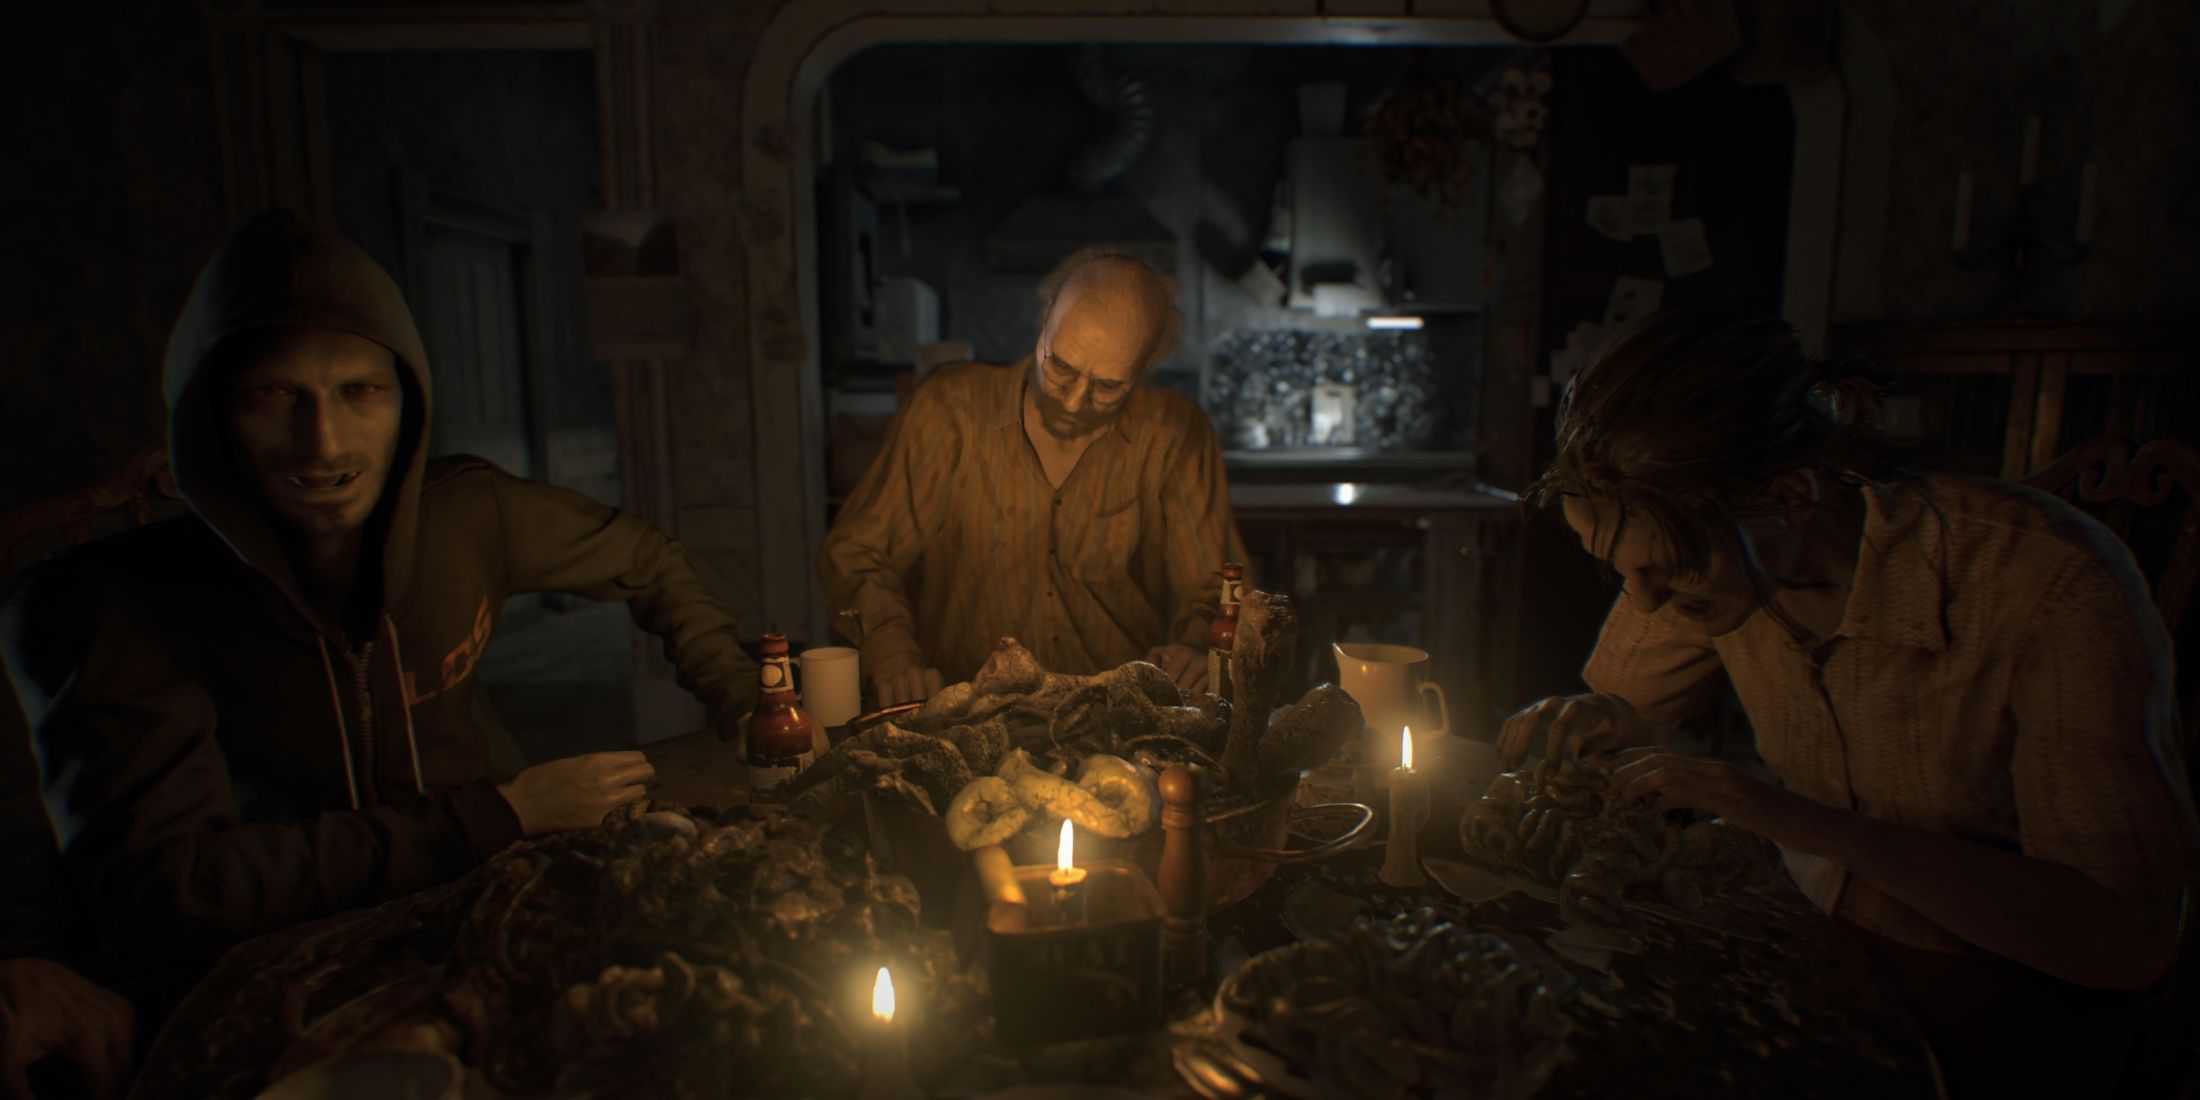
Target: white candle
<point>886,1054</point>
<point>2031,165</point>
<point>2086,197</point>
<point>1963,211</point>
<point>1408,810</point>
<point>1066,873</point>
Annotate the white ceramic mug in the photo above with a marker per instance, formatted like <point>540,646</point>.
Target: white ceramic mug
<point>832,687</point>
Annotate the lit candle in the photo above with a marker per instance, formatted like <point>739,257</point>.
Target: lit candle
<point>2086,197</point>
<point>2031,165</point>
<point>1408,811</point>
<point>886,1061</point>
<point>1963,211</point>
<point>1067,879</point>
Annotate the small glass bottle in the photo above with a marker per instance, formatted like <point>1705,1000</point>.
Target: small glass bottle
<point>781,736</point>
<point>1222,632</point>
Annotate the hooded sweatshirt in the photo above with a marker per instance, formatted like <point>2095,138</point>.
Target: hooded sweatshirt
<point>220,762</point>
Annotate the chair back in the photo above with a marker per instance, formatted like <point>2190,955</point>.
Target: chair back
<point>2150,496</point>
<point>138,493</point>
<point>142,491</point>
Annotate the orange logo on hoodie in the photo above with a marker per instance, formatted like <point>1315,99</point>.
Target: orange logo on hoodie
<point>459,663</point>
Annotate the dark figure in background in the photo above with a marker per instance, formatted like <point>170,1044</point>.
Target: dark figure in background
<point>265,712</point>
<point>1960,684</point>
<point>1059,501</point>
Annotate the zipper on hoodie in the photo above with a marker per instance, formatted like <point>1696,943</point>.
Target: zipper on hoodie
<point>359,662</point>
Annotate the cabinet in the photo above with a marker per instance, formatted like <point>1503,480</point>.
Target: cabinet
<point>1433,568</point>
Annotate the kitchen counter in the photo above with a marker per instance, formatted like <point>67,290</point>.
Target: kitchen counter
<point>1366,497</point>
<point>1323,464</point>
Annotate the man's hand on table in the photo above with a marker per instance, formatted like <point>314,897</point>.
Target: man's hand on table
<point>909,685</point>
<point>576,792</point>
<point>1676,781</point>
<point>1569,725</point>
<point>47,1010</point>
<point>1185,665</point>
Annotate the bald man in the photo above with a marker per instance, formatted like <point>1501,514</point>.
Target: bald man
<point>1058,500</point>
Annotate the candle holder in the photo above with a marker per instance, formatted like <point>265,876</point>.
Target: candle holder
<point>886,1068</point>
<point>1072,961</point>
<point>2025,254</point>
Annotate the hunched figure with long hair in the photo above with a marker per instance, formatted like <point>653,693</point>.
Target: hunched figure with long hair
<point>1960,684</point>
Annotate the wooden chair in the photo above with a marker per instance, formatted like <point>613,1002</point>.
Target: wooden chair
<point>2150,496</point>
<point>142,491</point>
<point>2135,492</point>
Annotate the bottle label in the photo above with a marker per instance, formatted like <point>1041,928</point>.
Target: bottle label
<point>776,674</point>
<point>1232,591</point>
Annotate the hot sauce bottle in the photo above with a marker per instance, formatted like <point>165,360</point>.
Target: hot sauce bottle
<point>780,735</point>
<point>1222,632</point>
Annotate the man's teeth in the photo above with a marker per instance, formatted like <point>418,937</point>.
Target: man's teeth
<point>327,482</point>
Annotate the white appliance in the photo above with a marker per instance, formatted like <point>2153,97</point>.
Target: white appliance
<point>908,317</point>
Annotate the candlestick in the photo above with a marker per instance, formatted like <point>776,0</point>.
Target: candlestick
<point>2031,165</point>
<point>1408,811</point>
<point>886,1055</point>
<point>1068,880</point>
<point>1963,211</point>
<point>2086,196</point>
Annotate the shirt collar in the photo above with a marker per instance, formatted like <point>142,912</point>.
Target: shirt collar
<point>1008,411</point>
<point>1898,594</point>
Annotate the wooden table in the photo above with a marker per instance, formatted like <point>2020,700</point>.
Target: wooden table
<point>1698,1013</point>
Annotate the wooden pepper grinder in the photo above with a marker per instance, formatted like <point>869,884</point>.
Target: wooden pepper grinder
<point>1183,879</point>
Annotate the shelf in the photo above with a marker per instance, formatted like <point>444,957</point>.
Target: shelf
<point>907,194</point>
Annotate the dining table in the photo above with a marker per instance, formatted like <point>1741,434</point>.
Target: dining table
<point>1755,994</point>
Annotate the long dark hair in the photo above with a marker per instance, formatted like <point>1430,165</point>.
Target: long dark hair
<point>1686,420</point>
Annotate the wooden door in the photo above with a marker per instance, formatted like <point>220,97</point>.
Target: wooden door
<point>476,294</point>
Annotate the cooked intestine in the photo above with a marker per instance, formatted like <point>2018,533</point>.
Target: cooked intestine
<point>1557,823</point>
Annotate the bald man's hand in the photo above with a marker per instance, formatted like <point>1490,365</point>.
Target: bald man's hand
<point>909,685</point>
<point>1185,665</point>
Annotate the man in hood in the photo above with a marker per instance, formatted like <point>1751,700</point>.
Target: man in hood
<point>265,712</point>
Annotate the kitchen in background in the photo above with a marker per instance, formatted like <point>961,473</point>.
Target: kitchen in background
<point>1337,219</point>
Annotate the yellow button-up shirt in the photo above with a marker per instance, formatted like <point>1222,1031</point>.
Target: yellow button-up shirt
<point>1999,673</point>
<point>954,537</point>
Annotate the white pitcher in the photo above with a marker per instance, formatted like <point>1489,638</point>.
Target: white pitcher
<point>1381,678</point>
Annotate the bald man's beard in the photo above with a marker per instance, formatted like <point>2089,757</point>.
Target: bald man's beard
<point>1063,424</point>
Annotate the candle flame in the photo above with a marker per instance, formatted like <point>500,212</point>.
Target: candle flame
<point>882,996</point>
<point>1405,747</point>
<point>1062,862</point>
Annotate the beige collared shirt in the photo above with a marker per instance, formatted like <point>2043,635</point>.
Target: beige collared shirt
<point>2000,673</point>
<point>954,537</point>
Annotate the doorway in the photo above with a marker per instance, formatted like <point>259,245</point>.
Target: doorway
<point>467,174</point>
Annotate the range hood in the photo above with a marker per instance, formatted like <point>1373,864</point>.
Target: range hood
<point>1039,233</point>
<point>1364,246</point>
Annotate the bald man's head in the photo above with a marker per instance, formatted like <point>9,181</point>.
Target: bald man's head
<point>1106,319</point>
